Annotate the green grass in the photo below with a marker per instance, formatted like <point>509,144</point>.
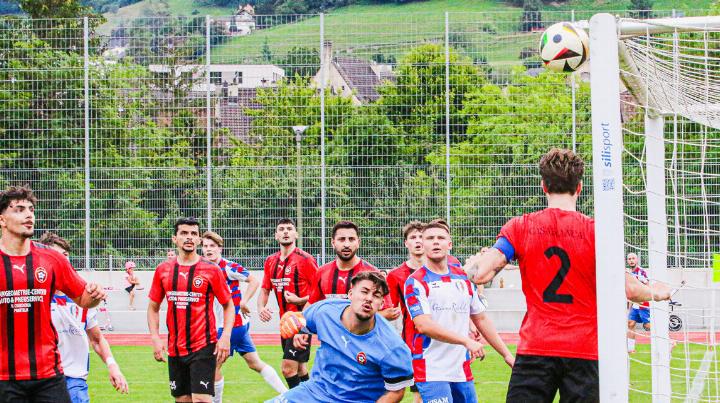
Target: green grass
<point>148,379</point>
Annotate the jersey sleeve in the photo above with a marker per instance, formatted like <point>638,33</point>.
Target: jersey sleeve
<point>157,291</point>
<point>387,302</point>
<point>91,321</point>
<point>267,277</point>
<point>67,279</point>
<point>237,272</point>
<point>316,293</point>
<point>396,368</point>
<point>416,298</point>
<point>478,304</point>
<point>311,317</point>
<point>510,238</point>
<point>308,271</point>
<point>395,290</point>
<point>219,286</point>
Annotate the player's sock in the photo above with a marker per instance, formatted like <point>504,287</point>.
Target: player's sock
<point>292,381</point>
<point>271,377</point>
<point>304,378</point>
<point>631,344</point>
<point>219,385</point>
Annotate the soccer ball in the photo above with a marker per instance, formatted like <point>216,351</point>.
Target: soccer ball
<point>564,47</point>
<point>290,324</point>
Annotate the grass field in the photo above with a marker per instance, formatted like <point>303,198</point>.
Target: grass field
<point>148,379</point>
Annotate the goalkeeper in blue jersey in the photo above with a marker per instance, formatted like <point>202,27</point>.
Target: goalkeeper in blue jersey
<point>361,359</point>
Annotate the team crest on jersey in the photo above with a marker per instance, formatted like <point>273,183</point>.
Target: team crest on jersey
<point>288,269</point>
<point>361,358</point>
<point>41,275</point>
<point>197,282</point>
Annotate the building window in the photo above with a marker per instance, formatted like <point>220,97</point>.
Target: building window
<point>216,77</point>
<point>238,77</point>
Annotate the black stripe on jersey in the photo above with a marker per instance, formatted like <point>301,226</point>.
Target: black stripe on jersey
<point>336,273</point>
<point>55,333</point>
<point>349,279</point>
<point>10,320</point>
<point>296,278</point>
<point>176,274</point>
<point>188,312</point>
<point>30,272</point>
<point>208,312</point>
<point>281,297</point>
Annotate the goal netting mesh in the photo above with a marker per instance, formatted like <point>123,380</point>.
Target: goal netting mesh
<point>671,75</point>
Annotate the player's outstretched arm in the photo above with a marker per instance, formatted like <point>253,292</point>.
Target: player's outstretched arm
<point>91,296</point>
<point>222,348</point>
<point>488,331</point>
<point>392,396</point>
<point>425,325</point>
<point>102,348</point>
<point>482,267</point>
<point>638,292</point>
<point>153,318</point>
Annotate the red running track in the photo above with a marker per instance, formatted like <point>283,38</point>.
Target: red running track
<point>261,339</point>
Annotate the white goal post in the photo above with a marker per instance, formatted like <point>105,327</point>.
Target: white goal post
<point>664,95</point>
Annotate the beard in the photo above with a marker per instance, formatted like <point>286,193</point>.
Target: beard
<point>343,258</point>
<point>286,243</point>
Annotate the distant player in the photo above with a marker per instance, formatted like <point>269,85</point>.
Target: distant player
<point>412,234</point>
<point>30,368</point>
<point>75,326</point>
<point>240,341</point>
<point>171,255</point>
<point>442,302</point>
<point>289,274</point>
<point>132,282</point>
<point>555,248</point>
<point>361,358</point>
<point>638,312</point>
<point>190,285</point>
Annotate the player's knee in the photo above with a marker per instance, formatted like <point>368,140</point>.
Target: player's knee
<point>289,369</point>
<point>256,365</point>
<point>631,324</point>
<point>201,398</point>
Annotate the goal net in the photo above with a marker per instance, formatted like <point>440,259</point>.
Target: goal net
<point>657,181</point>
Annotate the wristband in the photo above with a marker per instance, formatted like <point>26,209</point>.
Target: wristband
<point>110,361</point>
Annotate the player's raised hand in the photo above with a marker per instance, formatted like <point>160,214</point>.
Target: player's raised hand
<point>265,314</point>
<point>222,348</point>
<point>95,291</point>
<point>475,348</point>
<point>301,341</point>
<point>117,379</point>
<point>159,349</point>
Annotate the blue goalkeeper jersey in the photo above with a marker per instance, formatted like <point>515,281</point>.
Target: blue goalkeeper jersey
<point>351,368</point>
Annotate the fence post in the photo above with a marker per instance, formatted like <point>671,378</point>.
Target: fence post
<point>86,103</point>
<point>573,90</point>
<point>323,190</point>
<point>447,117</point>
<point>208,123</point>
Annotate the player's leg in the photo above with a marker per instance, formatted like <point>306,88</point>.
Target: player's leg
<point>463,392</point>
<point>243,344</point>
<point>202,374</point>
<point>50,390</point>
<point>435,391</point>
<point>78,390</point>
<point>290,364</point>
<point>132,299</point>
<point>299,394</point>
<point>580,381</point>
<point>219,379</point>
<point>534,379</point>
<point>416,394</point>
<point>633,318</point>
<point>645,319</point>
<point>179,374</point>
<point>303,358</point>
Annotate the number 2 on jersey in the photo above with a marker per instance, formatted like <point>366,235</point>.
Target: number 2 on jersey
<point>550,294</point>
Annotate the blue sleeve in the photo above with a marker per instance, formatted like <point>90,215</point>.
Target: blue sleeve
<point>311,316</point>
<point>503,245</point>
<point>396,368</point>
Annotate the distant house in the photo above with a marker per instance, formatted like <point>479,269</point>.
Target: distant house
<point>352,77</point>
<point>223,76</point>
<point>242,22</point>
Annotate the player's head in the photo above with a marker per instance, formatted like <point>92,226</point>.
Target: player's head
<point>187,234</point>
<point>286,232</point>
<point>633,260</point>
<point>345,239</point>
<point>436,240</point>
<point>561,171</point>
<point>366,294</point>
<point>171,254</point>
<point>412,234</point>
<point>56,242</point>
<point>17,211</point>
<point>130,266</point>
<point>212,246</point>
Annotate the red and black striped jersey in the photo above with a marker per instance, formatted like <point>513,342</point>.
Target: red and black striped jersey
<point>396,283</point>
<point>331,282</point>
<point>28,343</point>
<point>190,291</point>
<point>295,273</point>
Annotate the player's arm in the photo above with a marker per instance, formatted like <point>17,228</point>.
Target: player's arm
<point>392,396</point>
<point>253,285</point>
<point>91,296</point>
<point>102,348</point>
<point>264,312</point>
<point>482,267</point>
<point>153,318</point>
<point>85,295</point>
<point>425,325</point>
<point>486,327</point>
<point>638,292</point>
<point>222,348</point>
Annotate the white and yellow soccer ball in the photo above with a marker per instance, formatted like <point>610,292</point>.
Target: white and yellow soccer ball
<point>563,47</point>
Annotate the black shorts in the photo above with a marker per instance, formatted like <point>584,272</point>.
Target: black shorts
<point>130,288</point>
<point>50,390</point>
<point>537,378</point>
<point>292,353</point>
<point>193,373</point>
<point>413,388</point>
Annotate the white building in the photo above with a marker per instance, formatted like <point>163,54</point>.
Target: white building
<point>242,22</point>
<point>239,76</point>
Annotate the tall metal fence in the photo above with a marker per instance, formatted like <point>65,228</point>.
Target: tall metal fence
<point>244,119</point>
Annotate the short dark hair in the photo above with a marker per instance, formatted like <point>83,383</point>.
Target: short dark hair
<point>15,193</point>
<point>186,221</point>
<point>345,224</point>
<point>561,170</point>
<point>285,220</point>
<point>376,279</point>
<point>215,237</point>
<point>437,223</point>
<point>413,225</point>
<point>51,238</point>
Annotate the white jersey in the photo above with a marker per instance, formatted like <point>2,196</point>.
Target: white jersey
<point>449,299</point>
<point>71,323</point>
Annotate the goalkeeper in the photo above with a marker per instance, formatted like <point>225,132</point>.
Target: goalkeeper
<point>361,359</point>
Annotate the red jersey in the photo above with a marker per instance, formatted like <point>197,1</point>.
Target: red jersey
<point>190,291</point>
<point>28,343</point>
<point>396,282</point>
<point>556,252</point>
<point>294,273</point>
<point>331,282</point>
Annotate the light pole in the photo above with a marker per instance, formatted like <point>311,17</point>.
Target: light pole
<point>298,130</point>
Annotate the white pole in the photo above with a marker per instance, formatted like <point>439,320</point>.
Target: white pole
<point>573,92</point>
<point>608,198</point>
<point>447,117</point>
<point>208,125</point>
<point>323,190</point>
<point>86,78</point>
<point>657,255</point>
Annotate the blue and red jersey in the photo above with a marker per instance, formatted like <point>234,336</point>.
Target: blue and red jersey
<point>234,273</point>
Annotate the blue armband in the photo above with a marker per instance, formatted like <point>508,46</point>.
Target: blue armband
<point>504,246</point>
